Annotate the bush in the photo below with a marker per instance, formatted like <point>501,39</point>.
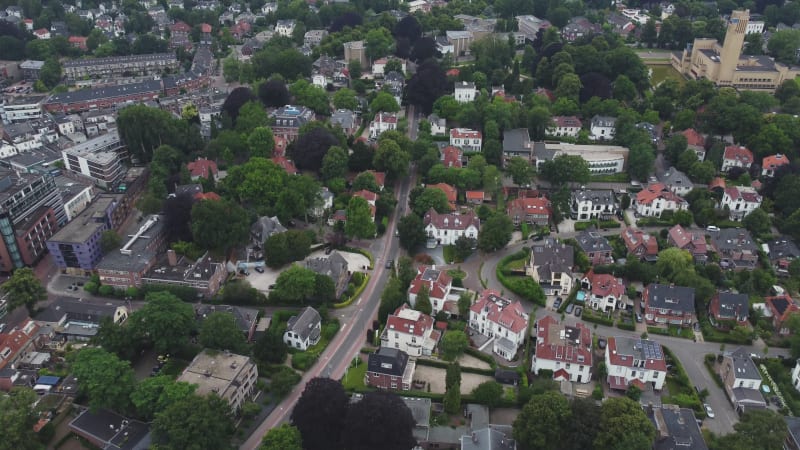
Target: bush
<point>106,290</point>
<point>303,360</point>
<point>329,330</point>
<point>91,287</point>
<point>358,278</point>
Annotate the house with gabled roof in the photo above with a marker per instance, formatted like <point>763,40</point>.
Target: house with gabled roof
<point>452,157</point>
<point>468,140</point>
<point>449,191</point>
<point>740,201</point>
<point>736,248</point>
<point>334,266</point>
<point>676,428</point>
<point>602,128</point>
<point>383,121</point>
<point>695,142</point>
<point>532,210</point>
<point>669,305</point>
<point>736,156</point>
<point>781,252</point>
<point>595,246</point>
<point>605,292</point>
<point>728,309</point>
<point>676,181</point>
<point>16,342</point>
<point>564,126</point>
<point>410,331</point>
<point>656,198</point>
<point>635,362</point>
<point>438,283</point>
<point>500,319</point>
<point>203,168</point>
<point>551,266</point>
<point>771,163</point>
<point>303,330</point>
<point>446,229</point>
<point>389,368</point>
<point>639,243</point>
<point>693,242</point>
<point>742,380</point>
<point>781,307</point>
<point>563,349</point>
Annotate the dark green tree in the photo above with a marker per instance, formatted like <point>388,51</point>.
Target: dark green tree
<point>321,414</point>
<point>488,393</point>
<point>164,320</point>
<point>360,223</point>
<point>423,301</point>
<point>153,395</point>
<point>270,348</point>
<point>453,344</point>
<point>284,437</point>
<point>411,232</point>
<point>194,423</point>
<point>495,232</point>
<point>542,422</point>
<point>17,419</point>
<point>379,420</point>
<point>107,380</point>
<point>220,225</point>
<point>23,289</point>
<point>219,331</point>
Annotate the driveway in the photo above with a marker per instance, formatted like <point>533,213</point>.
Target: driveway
<point>436,377</point>
<point>262,281</point>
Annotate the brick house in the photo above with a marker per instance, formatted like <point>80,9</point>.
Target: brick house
<point>781,307</point>
<point>736,156</point>
<point>669,305</point>
<point>595,246</point>
<point>727,309</point>
<point>535,211</point>
<point>564,350</point>
<point>389,368</point>
<point>640,244</point>
<point>692,242</point>
<point>736,248</point>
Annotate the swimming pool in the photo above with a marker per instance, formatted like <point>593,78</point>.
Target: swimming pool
<point>580,296</point>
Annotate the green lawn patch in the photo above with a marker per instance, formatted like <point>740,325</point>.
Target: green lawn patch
<point>685,333</point>
<point>457,273</point>
<point>612,178</point>
<point>449,253</point>
<point>662,72</point>
<point>354,378</point>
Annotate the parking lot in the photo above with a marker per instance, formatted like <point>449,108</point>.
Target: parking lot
<point>262,281</point>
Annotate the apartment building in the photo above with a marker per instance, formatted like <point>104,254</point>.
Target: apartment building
<point>21,108</point>
<point>98,159</point>
<point>230,376</point>
<point>120,66</point>
<point>76,247</point>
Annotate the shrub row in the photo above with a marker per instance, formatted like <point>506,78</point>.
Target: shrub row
<point>355,295</point>
<point>598,319</point>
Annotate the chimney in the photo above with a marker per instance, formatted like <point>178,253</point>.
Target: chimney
<point>172,257</point>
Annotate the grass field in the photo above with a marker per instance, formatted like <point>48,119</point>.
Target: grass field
<point>662,72</point>
<point>354,379</point>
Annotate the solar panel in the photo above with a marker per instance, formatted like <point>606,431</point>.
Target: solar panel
<point>651,350</point>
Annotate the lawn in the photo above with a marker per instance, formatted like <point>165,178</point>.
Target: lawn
<point>517,264</point>
<point>354,378</point>
<point>449,254</point>
<point>661,72</point>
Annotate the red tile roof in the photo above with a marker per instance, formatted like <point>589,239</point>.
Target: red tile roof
<point>781,306</point>
<point>604,285</point>
<point>694,138</point>
<point>738,153</point>
<point>559,342</point>
<point>285,164</point>
<point>14,340</point>
<point>748,195</point>
<point>385,117</point>
<point>207,196</point>
<point>448,190</point>
<point>408,321</point>
<point>202,167</point>
<point>655,191</point>
<point>180,27</point>
<point>465,133</point>
<point>567,121</point>
<point>501,311</point>
<point>623,357</point>
<point>682,238</point>
<point>537,205</point>
<point>451,156</point>
<point>451,221</point>
<point>774,161</point>
<point>437,281</point>
<point>635,238</point>
<point>717,182</point>
<point>369,196</point>
<point>475,195</point>
<point>453,72</point>
<point>380,178</point>
<point>205,28</point>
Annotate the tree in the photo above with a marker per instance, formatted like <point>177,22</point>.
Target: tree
<point>672,261</point>
<point>220,225</point>
<point>334,164</point>
<point>23,289</point>
<point>311,96</point>
<point>104,378</point>
<point>624,425</point>
<point>274,93</point>
<point>452,375</point>
<point>270,348</point>
<point>251,116</point>
<point>17,419</point>
<point>50,74</point>
<point>782,45</point>
<point>164,320</point>
<point>220,331</point>
<point>284,437</point>
<point>566,168</point>
<point>345,98</point>
<point>392,159</point>
<point>110,240</point>
<point>453,344</point>
<point>452,399</point>
<point>379,420</point>
<point>488,393</point>
<point>520,170</point>
<point>464,303</point>
<point>542,422</point>
<point>261,142</point>
<point>427,84</point>
<point>360,223</point>
<point>409,28</point>
<point>423,301</point>
<point>763,429</point>
<point>429,198</point>
<point>640,161</point>
<point>411,232</point>
<point>757,222</point>
<point>495,232</point>
<point>392,297</point>
<point>194,423</point>
<point>569,86</point>
<point>378,42</point>
<point>311,147</point>
<point>463,247</point>
<point>585,423</point>
<point>153,395</point>
<point>235,100</point>
<point>384,102</point>
<point>321,414</point>
<point>295,284</point>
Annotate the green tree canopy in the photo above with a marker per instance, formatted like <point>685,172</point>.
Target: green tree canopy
<point>220,225</point>
<point>624,425</point>
<point>520,170</point>
<point>194,423</point>
<point>17,418</point>
<point>488,393</point>
<point>360,223</point>
<point>284,437</point>
<point>295,284</point>
<point>543,421</point>
<point>164,320</point>
<point>23,289</point>
<point>411,232</point>
<point>154,394</point>
<point>453,344</point>
<point>104,378</point>
<point>495,232</point>
<point>566,168</point>
<point>220,331</point>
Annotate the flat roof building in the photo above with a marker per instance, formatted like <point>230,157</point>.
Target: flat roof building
<point>230,376</point>
<point>99,159</point>
<point>76,247</point>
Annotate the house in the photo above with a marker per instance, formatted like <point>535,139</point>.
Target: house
<point>465,92</point>
<point>245,318</point>
<point>356,51</point>
<point>285,27</point>
<point>531,25</point>
<point>781,307</point>
<point>383,121</point>
<point>438,125</point>
<point>620,24</point>
<point>579,27</point>
<point>286,164</point>
<point>588,205</point>
<point>230,376</point>
<point>468,140</point>
<point>410,331</point>
<point>534,211</point>
<point>728,309</point>
<point>438,284</point>
<point>446,229</point>
<point>740,201</point>
<point>263,228</point>
<point>635,361</point>
<point>736,248</point>
<point>493,437</point>
<point>334,266</point>
<point>668,304</point>
<point>78,42</point>
<point>312,38</point>
<point>517,142</point>
<point>475,197</point>
<point>564,126</point>
<point>601,128</point>
<point>452,157</point>
<point>736,156</point>
<point>695,142</point>
<point>742,380</point>
<point>676,181</point>
<point>796,380</point>
<point>551,266</point>
<point>564,350</point>
<point>656,198</point>
<point>303,331</point>
<point>771,163</point>
<point>73,319</point>
<point>693,242</point>
<point>595,246</point>
<point>389,368</point>
<point>604,292</point>
<point>641,244</point>
<point>676,428</point>
<point>602,159</point>
<point>42,33</point>
<point>346,120</point>
<point>448,190</point>
<point>16,342</point>
<point>781,252</point>
<point>289,119</point>
<point>500,319</point>
<point>104,428</point>
<point>203,168</point>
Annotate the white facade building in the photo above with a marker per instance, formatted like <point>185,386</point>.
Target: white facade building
<point>447,228</point>
<point>602,128</point>
<point>18,109</point>
<point>657,198</point>
<point>285,27</point>
<point>634,361</point>
<point>465,92</point>
<point>303,330</point>
<point>565,126</point>
<point>564,350</point>
<point>410,331</point>
<point>740,201</point>
<point>468,140</point>
<point>501,320</point>
<point>383,122</point>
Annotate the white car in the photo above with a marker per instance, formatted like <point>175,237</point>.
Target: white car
<point>712,228</point>
<point>709,411</point>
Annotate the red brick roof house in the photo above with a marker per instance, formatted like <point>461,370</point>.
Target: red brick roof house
<point>380,178</point>
<point>410,331</point>
<point>696,142</point>
<point>605,291</point>
<point>535,211</point>
<point>564,350</point>
<point>438,283</point>
<point>390,368</point>
<point>499,319</point>
<point>449,191</point>
<point>771,163</point>
<point>781,307</point>
<point>736,156</point>
<point>475,197</point>
<point>640,244</point>
<point>451,157</point>
<point>717,185</point>
<point>78,42</point>
<point>446,229</point>
<point>285,164</point>
<point>727,309</point>
<point>203,168</point>
<point>692,242</point>
<point>14,343</point>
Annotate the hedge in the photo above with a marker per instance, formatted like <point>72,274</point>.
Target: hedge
<point>598,319</point>
<point>626,325</point>
<point>474,352</point>
<point>709,362</point>
<point>525,287</point>
<point>355,295</point>
<point>443,365</point>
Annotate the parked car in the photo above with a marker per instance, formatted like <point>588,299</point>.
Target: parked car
<point>578,311</point>
<point>557,303</point>
<point>259,269</point>
<point>390,264</point>
<point>712,228</point>
<point>601,343</point>
<point>638,317</point>
<point>569,309</point>
<point>709,411</point>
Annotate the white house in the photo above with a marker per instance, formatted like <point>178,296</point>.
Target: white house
<point>303,331</point>
<point>657,198</point>
<point>736,156</point>
<point>501,320</point>
<point>565,350</point>
<point>320,80</point>
<point>604,292</point>
<point>742,380</point>
<point>565,126</point>
<point>796,375</point>
<point>439,284</point>
<point>410,331</point>
<point>468,140</point>
<point>383,122</point>
<point>447,228</point>
<point>465,92</point>
<point>438,125</point>
<point>740,201</point>
<point>285,27</point>
<point>269,8</point>
<point>551,267</point>
<point>593,204</point>
<point>771,163</point>
<point>635,361</point>
<point>602,128</point>
<point>42,33</point>
<point>754,26</point>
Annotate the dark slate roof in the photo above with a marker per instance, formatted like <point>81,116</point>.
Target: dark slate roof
<point>783,247</point>
<point>676,298</point>
<point>77,309</point>
<point>793,423</point>
<point>83,95</point>
<point>114,430</point>
<point>496,437</point>
<point>332,266</point>
<point>677,429</point>
<point>743,365</point>
<point>305,324</point>
<point>388,361</point>
<point>592,241</point>
<point>731,304</point>
<point>516,140</point>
